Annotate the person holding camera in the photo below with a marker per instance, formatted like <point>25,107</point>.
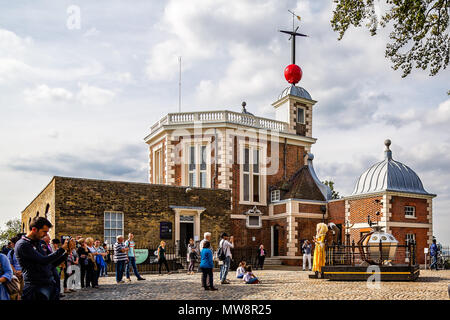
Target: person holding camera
<point>224,255</point>
<point>37,266</point>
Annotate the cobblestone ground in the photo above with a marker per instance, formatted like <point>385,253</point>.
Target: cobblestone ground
<point>286,284</point>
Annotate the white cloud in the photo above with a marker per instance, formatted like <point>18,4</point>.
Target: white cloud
<point>43,93</point>
<point>440,115</point>
<point>91,95</point>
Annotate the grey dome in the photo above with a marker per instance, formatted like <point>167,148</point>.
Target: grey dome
<point>389,175</point>
<point>295,91</point>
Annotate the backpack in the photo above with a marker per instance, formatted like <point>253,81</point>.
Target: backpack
<point>221,253</point>
<point>12,286</point>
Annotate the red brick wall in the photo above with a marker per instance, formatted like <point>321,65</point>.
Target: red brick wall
<point>281,208</point>
<point>243,235</point>
<point>306,229</point>
<point>336,212</point>
<point>421,239</point>
<point>309,208</point>
<point>360,208</point>
<point>398,209</point>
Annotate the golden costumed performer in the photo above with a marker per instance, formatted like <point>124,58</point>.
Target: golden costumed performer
<point>319,249</point>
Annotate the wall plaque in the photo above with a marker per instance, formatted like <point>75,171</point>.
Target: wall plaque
<point>165,230</point>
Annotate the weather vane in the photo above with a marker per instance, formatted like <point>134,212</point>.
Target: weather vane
<point>293,73</point>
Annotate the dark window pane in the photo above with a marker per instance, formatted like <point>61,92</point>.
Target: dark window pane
<point>256,161</point>
<point>253,221</point>
<point>246,159</point>
<point>203,162</point>
<point>256,188</point>
<point>300,115</point>
<point>191,158</point>
<point>246,188</point>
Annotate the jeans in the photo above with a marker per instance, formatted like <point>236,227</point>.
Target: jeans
<point>39,292</point>
<point>132,262</point>
<point>433,262</point>
<point>191,265</point>
<point>253,281</point>
<point>207,273</point>
<point>120,268</point>
<point>103,271</point>
<point>224,269</point>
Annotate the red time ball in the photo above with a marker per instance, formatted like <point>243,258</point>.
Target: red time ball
<point>293,73</point>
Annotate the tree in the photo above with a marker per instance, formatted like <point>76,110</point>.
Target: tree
<point>13,227</point>
<point>420,30</point>
<point>334,194</point>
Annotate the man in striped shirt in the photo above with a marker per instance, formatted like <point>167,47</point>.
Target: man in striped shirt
<point>120,258</point>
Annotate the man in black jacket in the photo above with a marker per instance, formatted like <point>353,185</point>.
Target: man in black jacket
<point>37,266</point>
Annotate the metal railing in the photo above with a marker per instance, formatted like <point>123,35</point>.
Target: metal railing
<point>381,254</point>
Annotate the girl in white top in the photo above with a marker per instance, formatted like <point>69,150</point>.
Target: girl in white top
<point>249,277</point>
<point>241,270</point>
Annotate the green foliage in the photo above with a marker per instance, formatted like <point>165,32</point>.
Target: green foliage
<point>420,30</point>
<point>334,194</point>
<point>13,227</point>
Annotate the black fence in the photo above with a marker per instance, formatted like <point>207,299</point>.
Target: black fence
<point>382,254</point>
<point>175,255</point>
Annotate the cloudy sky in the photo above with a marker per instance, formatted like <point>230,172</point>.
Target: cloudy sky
<point>78,97</point>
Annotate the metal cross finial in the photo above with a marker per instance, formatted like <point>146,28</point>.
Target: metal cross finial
<point>293,34</point>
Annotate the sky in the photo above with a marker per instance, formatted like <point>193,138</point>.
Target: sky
<point>81,83</point>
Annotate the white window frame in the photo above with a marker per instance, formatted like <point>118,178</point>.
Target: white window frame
<point>158,176</point>
<point>304,115</point>
<point>262,173</point>
<point>112,238</point>
<point>410,216</point>
<point>198,144</point>
<point>275,195</point>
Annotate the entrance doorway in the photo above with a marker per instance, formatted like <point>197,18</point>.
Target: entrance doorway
<point>275,240</point>
<point>186,233</point>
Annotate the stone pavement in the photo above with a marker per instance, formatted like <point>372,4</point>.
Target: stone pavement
<point>286,284</point>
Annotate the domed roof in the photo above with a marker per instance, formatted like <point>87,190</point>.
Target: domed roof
<point>389,175</point>
<point>295,91</point>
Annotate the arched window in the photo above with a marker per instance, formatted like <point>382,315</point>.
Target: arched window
<point>37,214</point>
<point>29,222</point>
<point>23,227</point>
<point>47,208</point>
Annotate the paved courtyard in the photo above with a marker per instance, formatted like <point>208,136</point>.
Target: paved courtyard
<point>287,283</point>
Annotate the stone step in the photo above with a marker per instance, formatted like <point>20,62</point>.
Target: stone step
<point>272,261</point>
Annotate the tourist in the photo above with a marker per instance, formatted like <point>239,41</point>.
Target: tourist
<point>7,248</point>
<point>225,246</point>
<point>261,254</point>
<point>249,277</point>
<point>107,258</point>
<point>83,262</point>
<point>48,249</point>
<point>162,257</point>
<point>306,248</point>
<point>16,268</point>
<point>71,261</point>
<point>240,271</point>
<point>433,255</point>
<point>120,258</point>
<point>206,237</point>
<point>55,245</point>
<point>207,265</point>
<point>130,244</point>
<point>99,254</point>
<point>37,266</point>
<point>6,274</point>
<point>191,256</point>
<point>91,269</point>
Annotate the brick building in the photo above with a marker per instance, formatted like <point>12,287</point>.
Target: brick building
<point>252,176</point>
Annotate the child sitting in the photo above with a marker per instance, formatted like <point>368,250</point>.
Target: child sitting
<point>249,277</point>
<point>241,270</point>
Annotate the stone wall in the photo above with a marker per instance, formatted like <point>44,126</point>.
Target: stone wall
<point>80,205</point>
<point>43,205</point>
